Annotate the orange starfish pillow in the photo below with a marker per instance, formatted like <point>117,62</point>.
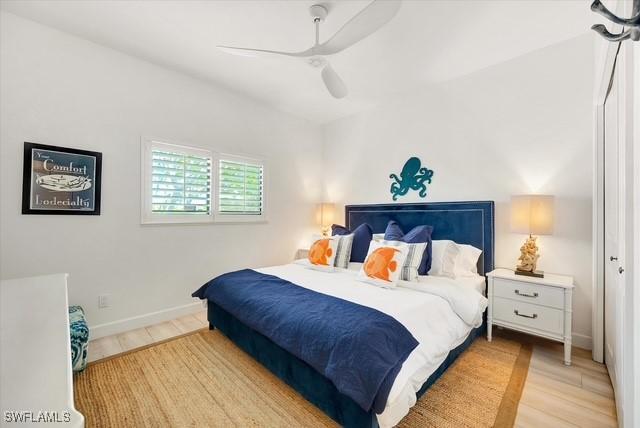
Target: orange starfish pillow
<point>322,253</point>
<point>384,262</point>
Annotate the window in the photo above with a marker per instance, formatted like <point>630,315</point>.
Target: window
<point>240,195</point>
<point>177,183</point>
<point>182,184</point>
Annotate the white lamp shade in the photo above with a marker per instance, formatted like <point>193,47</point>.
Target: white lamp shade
<point>327,214</point>
<point>532,214</point>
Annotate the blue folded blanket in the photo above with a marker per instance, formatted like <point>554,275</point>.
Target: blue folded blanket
<point>361,350</point>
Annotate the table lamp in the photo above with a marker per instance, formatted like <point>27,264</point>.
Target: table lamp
<point>532,215</point>
<point>327,211</point>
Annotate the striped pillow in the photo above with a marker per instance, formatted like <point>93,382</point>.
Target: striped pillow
<point>409,270</point>
<point>343,250</point>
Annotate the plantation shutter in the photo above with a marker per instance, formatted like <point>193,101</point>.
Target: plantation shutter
<point>180,183</point>
<point>241,187</point>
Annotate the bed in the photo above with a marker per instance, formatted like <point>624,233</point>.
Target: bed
<point>444,320</point>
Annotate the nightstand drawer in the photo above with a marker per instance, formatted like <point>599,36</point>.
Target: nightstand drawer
<point>529,293</point>
<point>528,315</point>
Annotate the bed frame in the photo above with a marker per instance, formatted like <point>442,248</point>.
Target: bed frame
<point>464,222</point>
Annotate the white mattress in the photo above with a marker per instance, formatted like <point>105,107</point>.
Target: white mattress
<point>439,312</point>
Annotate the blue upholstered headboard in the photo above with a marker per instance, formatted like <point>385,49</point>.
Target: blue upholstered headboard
<point>463,222</point>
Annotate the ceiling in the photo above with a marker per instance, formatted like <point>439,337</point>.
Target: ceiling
<point>427,42</point>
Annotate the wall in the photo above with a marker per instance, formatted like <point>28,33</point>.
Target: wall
<point>61,90</point>
<point>523,126</point>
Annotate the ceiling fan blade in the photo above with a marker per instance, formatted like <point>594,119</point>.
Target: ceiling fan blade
<point>368,21</point>
<point>260,52</point>
<point>333,82</point>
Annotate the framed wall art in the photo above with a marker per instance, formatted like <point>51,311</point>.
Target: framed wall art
<point>60,180</point>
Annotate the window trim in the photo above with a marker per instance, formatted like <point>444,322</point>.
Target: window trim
<point>239,218</point>
<point>147,216</point>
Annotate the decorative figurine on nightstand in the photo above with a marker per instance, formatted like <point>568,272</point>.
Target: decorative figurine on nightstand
<point>533,215</point>
<point>528,256</point>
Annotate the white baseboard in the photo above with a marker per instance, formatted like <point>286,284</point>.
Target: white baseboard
<point>120,326</point>
<point>581,341</point>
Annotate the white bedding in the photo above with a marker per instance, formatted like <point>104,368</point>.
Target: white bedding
<point>439,313</point>
<point>475,281</point>
<point>478,282</point>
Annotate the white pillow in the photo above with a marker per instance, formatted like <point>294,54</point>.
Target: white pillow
<point>467,260</point>
<point>378,237</point>
<point>355,266</point>
<point>343,250</point>
<point>443,258</point>
<point>322,254</point>
<point>409,270</point>
<point>383,263</point>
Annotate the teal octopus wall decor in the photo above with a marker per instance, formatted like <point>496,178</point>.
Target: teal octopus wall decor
<point>412,177</point>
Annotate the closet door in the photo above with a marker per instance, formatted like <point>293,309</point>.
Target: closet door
<point>612,284</point>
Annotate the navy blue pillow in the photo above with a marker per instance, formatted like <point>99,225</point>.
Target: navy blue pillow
<point>362,236</point>
<point>416,235</point>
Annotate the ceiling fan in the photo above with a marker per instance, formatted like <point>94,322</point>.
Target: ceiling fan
<point>368,21</point>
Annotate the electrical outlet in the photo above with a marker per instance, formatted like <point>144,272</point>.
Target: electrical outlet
<point>104,301</point>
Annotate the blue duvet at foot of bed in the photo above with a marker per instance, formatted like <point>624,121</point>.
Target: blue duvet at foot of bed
<point>359,349</point>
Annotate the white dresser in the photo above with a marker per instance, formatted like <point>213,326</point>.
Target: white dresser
<point>538,306</point>
<point>36,381</point>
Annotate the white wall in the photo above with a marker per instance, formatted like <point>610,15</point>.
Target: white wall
<point>523,126</point>
<point>61,90</point>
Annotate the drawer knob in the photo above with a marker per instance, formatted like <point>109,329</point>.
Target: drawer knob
<point>534,316</point>
<point>525,294</point>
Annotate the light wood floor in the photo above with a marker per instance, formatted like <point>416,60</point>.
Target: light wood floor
<point>554,395</point>
<point>123,342</point>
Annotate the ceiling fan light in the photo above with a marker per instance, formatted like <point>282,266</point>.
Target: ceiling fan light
<point>316,61</point>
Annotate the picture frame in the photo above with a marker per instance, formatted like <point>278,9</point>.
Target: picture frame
<point>60,180</point>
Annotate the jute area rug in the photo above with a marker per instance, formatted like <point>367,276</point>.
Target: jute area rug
<point>204,380</point>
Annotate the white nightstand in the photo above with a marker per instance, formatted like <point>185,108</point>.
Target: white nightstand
<point>538,306</point>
